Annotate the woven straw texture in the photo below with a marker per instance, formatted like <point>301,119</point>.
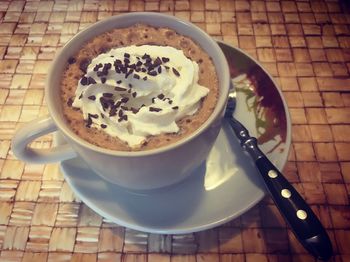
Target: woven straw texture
<point>304,44</point>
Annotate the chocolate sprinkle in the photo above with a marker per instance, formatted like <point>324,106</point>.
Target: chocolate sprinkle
<point>161,96</point>
<point>152,73</point>
<point>104,103</point>
<point>157,62</point>
<point>175,107</point>
<point>134,110</point>
<point>90,80</point>
<point>119,82</point>
<point>176,72</point>
<point>154,109</point>
<point>89,122</point>
<point>124,99</point>
<point>165,59</point>
<point>93,98</point>
<point>103,126</point>
<point>127,55</point>
<point>159,69</point>
<point>136,76</point>
<point>84,81</point>
<point>134,94</point>
<point>70,102</point>
<point>81,96</point>
<point>71,60</point>
<point>113,111</point>
<point>103,80</point>
<point>118,88</point>
<point>84,64</point>
<point>145,78</point>
<point>93,115</point>
<point>107,94</point>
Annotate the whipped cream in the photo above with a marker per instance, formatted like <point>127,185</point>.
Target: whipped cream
<point>136,91</point>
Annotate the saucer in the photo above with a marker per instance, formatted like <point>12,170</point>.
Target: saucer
<point>222,188</point>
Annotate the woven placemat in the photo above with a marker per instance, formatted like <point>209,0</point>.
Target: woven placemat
<point>304,44</point>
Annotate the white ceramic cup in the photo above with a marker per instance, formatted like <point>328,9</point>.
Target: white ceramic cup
<point>134,170</point>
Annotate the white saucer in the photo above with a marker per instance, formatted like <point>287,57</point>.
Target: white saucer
<point>224,187</point>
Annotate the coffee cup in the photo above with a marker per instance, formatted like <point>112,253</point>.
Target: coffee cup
<point>139,170</point>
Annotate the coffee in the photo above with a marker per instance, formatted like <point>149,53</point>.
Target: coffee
<point>117,90</point>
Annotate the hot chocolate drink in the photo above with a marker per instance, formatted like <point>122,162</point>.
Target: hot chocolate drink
<point>138,88</point>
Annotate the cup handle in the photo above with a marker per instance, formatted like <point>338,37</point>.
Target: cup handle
<point>32,130</point>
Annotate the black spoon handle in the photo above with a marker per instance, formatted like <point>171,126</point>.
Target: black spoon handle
<point>304,223</point>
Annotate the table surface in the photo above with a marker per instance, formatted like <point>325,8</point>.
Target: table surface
<point>303,44</point>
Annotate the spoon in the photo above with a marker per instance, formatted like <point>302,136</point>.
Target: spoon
<point>304,223</point>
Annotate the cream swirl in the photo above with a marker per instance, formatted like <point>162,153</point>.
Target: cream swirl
<point>136,91</point>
